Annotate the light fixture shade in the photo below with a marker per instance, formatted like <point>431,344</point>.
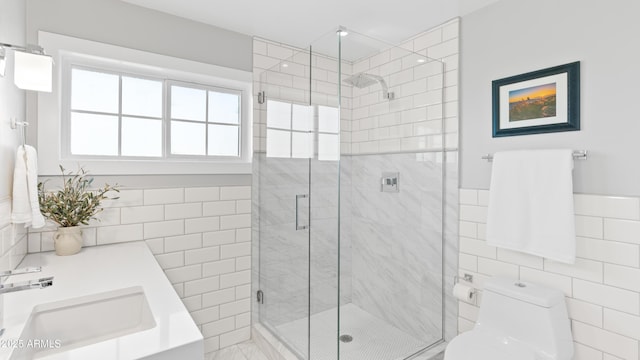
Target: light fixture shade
<point>33,71</point>
<point>3,61</point>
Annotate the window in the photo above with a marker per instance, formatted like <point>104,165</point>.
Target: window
<point>204,122</point>
<point>328,133</point>
<point>111,112</point>
<point>290,131</point>
<point>119,115</point>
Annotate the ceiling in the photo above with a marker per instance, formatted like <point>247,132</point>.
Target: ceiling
<point>300,22</point>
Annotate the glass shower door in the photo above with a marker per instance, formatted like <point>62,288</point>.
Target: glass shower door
<point>349,167</point>
<point>298,175</point>
<point>283,202</point>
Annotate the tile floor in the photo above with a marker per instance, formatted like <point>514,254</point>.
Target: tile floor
<point>249,351</point>
<point>243,351</point>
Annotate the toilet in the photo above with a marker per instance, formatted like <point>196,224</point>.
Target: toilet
<point>517,321</point>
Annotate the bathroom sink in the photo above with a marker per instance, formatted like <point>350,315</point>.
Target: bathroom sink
<point>68,324</point>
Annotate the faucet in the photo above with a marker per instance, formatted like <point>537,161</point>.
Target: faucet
<point>25,285</point>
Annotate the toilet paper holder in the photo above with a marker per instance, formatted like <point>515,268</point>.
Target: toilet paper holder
<point>465,292</point>
<point>467,278</point>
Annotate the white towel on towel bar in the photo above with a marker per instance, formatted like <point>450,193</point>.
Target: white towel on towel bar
<point>25,206</point>
<point>531,203</point>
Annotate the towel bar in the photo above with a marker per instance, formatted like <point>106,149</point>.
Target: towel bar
<point>577,155</point>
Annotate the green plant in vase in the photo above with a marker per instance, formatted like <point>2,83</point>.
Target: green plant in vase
<point>73,205</point>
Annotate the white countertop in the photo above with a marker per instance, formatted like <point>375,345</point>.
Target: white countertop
<point>100,269</point>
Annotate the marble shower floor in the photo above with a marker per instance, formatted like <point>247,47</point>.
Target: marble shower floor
<point>373,338</point>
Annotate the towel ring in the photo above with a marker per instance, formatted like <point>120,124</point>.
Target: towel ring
<point>23,124</point>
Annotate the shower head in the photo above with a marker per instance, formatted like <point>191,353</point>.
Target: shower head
<point>363,80</point>
<point>360,80</point>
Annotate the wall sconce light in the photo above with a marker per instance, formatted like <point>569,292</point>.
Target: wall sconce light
<point>3,61</point>
<point>33,69</point>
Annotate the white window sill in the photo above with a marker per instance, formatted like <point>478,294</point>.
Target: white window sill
<point>144,167</point>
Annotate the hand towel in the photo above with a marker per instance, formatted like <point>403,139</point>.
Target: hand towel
<point>25,207</point>
<point>531,203</point>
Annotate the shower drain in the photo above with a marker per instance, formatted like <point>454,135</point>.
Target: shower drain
<point>346,338</point>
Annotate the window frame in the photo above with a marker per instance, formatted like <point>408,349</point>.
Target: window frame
<point>312,132</point>
<point>169,118</point>
<point>315,132</point>
<point>54,109</point>
<point>67,110</point>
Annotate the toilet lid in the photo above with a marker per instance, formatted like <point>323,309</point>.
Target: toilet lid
<point>476,345</point>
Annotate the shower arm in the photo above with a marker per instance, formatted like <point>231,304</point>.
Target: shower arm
<point>385,90</point>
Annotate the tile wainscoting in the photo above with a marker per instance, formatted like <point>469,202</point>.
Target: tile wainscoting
<point>602,288</point>
<point>13,239</point>
<point>201,237</point>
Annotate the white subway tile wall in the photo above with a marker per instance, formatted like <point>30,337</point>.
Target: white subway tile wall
<point>426,96</point>
<point>602,288</point>
<point>426,101</point>
<point>201,237</point>
<point>13,240</point>
<point>290,83</point>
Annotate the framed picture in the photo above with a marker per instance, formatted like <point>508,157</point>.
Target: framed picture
<point>542,101</point>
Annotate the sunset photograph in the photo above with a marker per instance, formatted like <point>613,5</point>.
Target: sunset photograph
<point>532,102</point>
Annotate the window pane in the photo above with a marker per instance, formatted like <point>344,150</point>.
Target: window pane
<point>302,118</point>
<point>328,147</point>
<point>141,97</point>
<point>94,134</point>
<point>278,143</point>
<point>328,119</point>
<point>187,138</point>
<point>141,137</point>
<point>278,115</point>
<point>223,140</point>
<point>94,91</point>
<point>224,107</point>
<point>188,103</point>
<point>302,145</point>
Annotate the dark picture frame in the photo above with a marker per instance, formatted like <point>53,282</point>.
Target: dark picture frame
<point>537,102</point>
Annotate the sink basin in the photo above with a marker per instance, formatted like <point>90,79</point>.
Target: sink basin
<point>64,325</point>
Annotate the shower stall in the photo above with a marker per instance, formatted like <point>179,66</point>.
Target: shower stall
<point>349,200</point>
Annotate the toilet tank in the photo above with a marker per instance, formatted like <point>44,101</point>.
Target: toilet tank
<point>528,313</point>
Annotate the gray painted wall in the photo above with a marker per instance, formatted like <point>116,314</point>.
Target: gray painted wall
<point>512,37</point>
<point>12,99</point>
<point>119,23</point>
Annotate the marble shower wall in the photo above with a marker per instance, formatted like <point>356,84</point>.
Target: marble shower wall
<point>397,241</point>
<point>298,268</point>
<point>285,260</point>
<point>284,251</point>
<point>400,241</point>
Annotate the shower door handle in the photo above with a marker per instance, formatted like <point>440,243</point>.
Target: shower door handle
<point>298,226</point>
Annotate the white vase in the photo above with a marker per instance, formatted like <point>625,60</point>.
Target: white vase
<point>68,240</point>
